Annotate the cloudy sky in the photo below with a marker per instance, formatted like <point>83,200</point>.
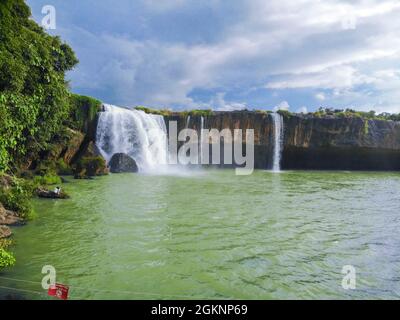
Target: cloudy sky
<point>233,54</point>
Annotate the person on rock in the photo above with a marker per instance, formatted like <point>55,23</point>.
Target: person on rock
<point>57,190</point>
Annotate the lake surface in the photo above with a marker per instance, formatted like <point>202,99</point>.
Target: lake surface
<point>212,234</point>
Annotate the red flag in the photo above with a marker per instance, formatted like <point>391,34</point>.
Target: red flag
<point>59,290</point>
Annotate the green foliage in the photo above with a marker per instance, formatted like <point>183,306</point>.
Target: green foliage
<point>350,113</point>
<point>46,167</point>
<point>263,111</point>
<point>47,173</point>
<point>17,195</point>
<point>47,180</point>
<point>161,112</point>
<point>62,168</point>
<point>33,91</point>
<point>284,113</point>
<point>83,111</point>
<point>6,259</point>
<point>5,243</point>
<point>89,167</point>
<point>200,112</point>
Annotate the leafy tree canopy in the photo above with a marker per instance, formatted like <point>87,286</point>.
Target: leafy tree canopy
<point>34,96</point>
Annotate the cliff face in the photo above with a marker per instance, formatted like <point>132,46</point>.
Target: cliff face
<point>313,143</point>
<point>261,123</point>
<point>348,143</point>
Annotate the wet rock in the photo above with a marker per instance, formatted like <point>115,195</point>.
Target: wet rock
<point>47,194</point>
<point>121,162</point>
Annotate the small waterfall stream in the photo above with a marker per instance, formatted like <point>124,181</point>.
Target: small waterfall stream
<point>187,122</point>
<point>278,141</point>
<point>135,133</point>
<point>201,140</point>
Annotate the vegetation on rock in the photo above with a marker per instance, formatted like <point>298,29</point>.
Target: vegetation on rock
<point>161,112</point>
<point>83,112</point>
<point>88,167</point>
<point>350,113</point>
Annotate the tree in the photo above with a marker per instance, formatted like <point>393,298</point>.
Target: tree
<point>34,96</point>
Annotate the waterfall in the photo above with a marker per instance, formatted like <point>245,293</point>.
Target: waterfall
<point>142,136</point>
<point>187,122</point>
<point>201,139</point>
<point>278,141</point>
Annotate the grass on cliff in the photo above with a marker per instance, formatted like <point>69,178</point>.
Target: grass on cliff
<point>83,111</point>
<point>161,112</point>
<point>167,112</point>
<point>350,113</point>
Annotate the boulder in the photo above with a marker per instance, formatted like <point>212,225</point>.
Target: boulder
<point>121,162</point>
<point>8,217</point>
<point>5,232</point>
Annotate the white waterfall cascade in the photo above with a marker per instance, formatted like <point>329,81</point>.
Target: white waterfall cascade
<point>278,141</point>
<point>141,136</point>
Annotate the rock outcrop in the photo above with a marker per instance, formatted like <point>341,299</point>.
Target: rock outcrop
<point>8,217</point>
<point>345,144</point>
<point>88,167</point>
<point>121,162</point>
<point>5,232</point>
<point>67,147</point>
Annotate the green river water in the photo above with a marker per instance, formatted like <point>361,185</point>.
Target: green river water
<point>214,235</point>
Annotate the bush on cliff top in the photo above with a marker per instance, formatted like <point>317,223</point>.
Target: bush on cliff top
<point>161,112</point>
<point>350,113</point>
<point>83,111</point>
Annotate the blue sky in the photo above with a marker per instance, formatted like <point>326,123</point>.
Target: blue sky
<point>234,54</point>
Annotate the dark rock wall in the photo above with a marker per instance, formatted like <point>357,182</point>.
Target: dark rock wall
<point>311,142</point>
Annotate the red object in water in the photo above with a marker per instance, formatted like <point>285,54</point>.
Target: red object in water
<point>59,291</point>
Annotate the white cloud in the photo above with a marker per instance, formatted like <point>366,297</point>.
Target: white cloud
<point>295,44</point>
<point>330,78</point>
<point>302,110</point>
<point>320,96</point>
<point>284,105</point>
<point>218,103</point>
